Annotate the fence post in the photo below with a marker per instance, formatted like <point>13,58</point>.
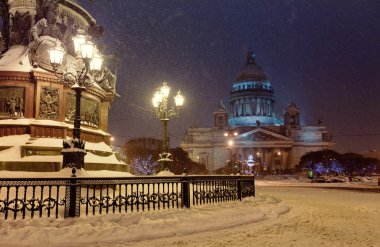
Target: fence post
<point>185,191</point>
<point>239,188</point>
<point>72,197</point>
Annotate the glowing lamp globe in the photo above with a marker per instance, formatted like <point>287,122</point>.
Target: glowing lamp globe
<point>87,50</point>
<point>179,99</point>
<point>96,63</point>
<point>157,99</point>
<point>78,41</point>
<point>165,90</point>
<point>230,143</point>
<point>56,56</point>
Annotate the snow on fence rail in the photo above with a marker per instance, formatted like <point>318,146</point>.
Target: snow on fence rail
<point>71,197</point>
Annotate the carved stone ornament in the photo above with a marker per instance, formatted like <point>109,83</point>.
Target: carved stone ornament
<point>4,35</point>
<point>49,103</point>
<point>107,80</point>
<point>39,52</point>
<point>260,136</point>
<point>20,26</point>
<point>89,110</point>
<point>12,101</point>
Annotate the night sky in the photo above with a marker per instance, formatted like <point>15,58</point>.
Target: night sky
<point>323,54</point>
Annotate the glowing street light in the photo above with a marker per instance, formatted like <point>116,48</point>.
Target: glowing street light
<point>85,51</point>
<point>164,113</point>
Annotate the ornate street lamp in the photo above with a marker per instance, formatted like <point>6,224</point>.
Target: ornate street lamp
<point>164,113</point>
<point>73,150</point>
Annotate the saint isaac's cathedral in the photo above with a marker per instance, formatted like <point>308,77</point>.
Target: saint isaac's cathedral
<point>248,136</point>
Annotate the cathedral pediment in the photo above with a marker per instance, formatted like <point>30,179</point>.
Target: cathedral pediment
<point>261,135</point>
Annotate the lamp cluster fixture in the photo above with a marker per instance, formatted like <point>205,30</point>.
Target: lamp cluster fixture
<point>85,50</point>
<point>230,141</point>
<point>160,100</point>
<point>164,112</point>
<point>226,134</point>
<point>73,153</point>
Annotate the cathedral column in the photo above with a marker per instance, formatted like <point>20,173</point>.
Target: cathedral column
<point>281,156</point>
<point>247,107</point>
<point>270,160</point>
<point>265,107</point>
<point>240,108</point>
<point>267,156</point>
<point>253,106</point>
<point>286,159</point>
<point>258,106</point>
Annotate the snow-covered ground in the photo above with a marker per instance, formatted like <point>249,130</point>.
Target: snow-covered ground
<point>299,181</point>
<point>280,215</point>
<point>14,143</point>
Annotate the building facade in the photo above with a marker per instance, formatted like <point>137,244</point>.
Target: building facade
<point>249,137</point>
<point>37,103</point>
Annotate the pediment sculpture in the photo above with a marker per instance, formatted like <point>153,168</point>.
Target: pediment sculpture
<point>261,136</point>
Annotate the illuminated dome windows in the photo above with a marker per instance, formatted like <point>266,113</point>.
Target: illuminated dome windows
<point>265,85</point>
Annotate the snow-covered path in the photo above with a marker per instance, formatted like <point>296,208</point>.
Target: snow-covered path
<point>317,217</point>
<point>278,216</point>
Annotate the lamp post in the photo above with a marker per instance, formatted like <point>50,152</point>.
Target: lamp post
<point>73,150</point>
<point>164,113</point>
<point>231,161</point>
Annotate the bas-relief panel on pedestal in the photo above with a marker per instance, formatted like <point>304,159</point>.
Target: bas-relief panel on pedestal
<point>49,103</point>
<point>12,101</point>
<point>89,110</point>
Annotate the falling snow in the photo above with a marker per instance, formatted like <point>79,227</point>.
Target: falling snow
<point>322,54</point>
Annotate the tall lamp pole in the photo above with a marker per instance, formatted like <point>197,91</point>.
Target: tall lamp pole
<point>73,150</point>
<point>232,161</point>
<point>164,113</point>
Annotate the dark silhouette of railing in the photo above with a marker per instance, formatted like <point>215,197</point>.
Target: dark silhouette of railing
<point>69,197</point>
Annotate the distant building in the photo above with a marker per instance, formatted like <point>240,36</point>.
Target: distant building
<point>36,107</point>
<point>249,136</point>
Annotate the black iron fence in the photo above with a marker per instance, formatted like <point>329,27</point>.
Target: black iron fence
<point>71,197</point>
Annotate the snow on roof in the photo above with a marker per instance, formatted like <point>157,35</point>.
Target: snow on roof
<point>102,146</point>
<point>20,140</point>
<point>10,154</point>
<point>18,121</point>
<point>97,131</point>
<point>48,122</point>
<point>13,154</point>
<point>92,158</point>
<point>16,59</point>
<point>64,173</point>
<point>32,121</point>
<point>57,142</point>
<point>14,140</point>
<point>45,142</point>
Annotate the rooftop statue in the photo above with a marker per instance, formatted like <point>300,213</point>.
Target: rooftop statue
<point>45,34</point>
<point>107,80</point>
<point>46,27</point>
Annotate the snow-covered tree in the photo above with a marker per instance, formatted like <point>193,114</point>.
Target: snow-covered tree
<point>144,165</point>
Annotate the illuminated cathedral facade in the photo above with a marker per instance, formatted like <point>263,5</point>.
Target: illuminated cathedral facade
<point>248,137</point>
